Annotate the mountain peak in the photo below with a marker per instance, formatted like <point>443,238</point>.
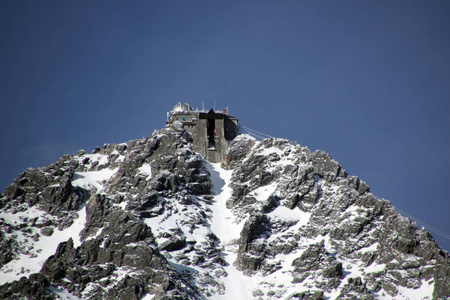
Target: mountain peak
<point>153,219</point>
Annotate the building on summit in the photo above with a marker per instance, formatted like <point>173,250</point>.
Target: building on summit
<point>211,130</point>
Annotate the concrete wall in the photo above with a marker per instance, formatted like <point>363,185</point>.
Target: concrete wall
<point>221,145</point>
<point>199,137</point>
<point>226,129</point>
<point>231,128</point>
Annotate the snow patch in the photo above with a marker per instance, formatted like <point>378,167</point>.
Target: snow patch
<point>268,151</point>
<point>224,224</point>
<point>146,170</point>
<point>39,250</point>
<point>264,192</point>
<point>62,294</point>
<point>225,227</point>
<point>284,213</point>
<point>424,292</point>
<point>93,180</point>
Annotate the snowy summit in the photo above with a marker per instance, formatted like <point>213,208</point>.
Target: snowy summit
<point>199,211</point>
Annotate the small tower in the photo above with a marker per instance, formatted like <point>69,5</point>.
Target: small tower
<point>211,130</point>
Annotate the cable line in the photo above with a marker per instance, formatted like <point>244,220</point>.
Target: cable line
<point>422,223</point>
<point>257,134</point>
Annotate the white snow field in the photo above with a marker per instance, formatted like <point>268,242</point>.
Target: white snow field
<point>40,250</point>
<point>237,285</point>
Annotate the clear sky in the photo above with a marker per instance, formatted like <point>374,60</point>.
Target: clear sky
<point>366,81</point>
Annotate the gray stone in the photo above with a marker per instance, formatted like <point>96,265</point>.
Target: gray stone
<point>173,244</point>
<point>47,231</point>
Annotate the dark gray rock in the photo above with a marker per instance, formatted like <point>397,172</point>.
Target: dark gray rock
<point>34,287</point>
<point>173,244</point>
<point>313,295</point>
<point>441,276</point>
<point>335,270</point>
<point>355,289</point>
<point>237,150</point>
<point>47,231</point>
<point>124,242</point>
<point>316,260</point>
<point>149,199</point>
<point>325,166</point>
<point>251,249</point>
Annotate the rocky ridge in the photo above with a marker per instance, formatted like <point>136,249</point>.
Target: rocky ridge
<point>343,242</point>
<point>152,219</point>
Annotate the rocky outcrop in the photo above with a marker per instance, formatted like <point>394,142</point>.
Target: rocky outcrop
<point>124,245</point>
<point>338,210</point>
<point>315,259</point>
<point>251,243</point>
<point>49,188</point>
<point>238,150</point>
<point>146,174</point>
<point>36,286</point>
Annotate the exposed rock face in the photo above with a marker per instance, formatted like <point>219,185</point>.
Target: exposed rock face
<point>277,178</point>
<point>34,287</point>
<point>140,219</point>
<point>116,186</point>
<point>125,245</point>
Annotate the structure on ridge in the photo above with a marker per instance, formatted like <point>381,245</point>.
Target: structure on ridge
<point>211,130</point>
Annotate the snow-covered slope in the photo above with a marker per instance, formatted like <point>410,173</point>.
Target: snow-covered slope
<point>151,219</point>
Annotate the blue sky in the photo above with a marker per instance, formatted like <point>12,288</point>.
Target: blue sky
<point>366,81</point>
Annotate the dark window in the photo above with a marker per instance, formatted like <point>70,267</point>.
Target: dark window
<point>211,131</point>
